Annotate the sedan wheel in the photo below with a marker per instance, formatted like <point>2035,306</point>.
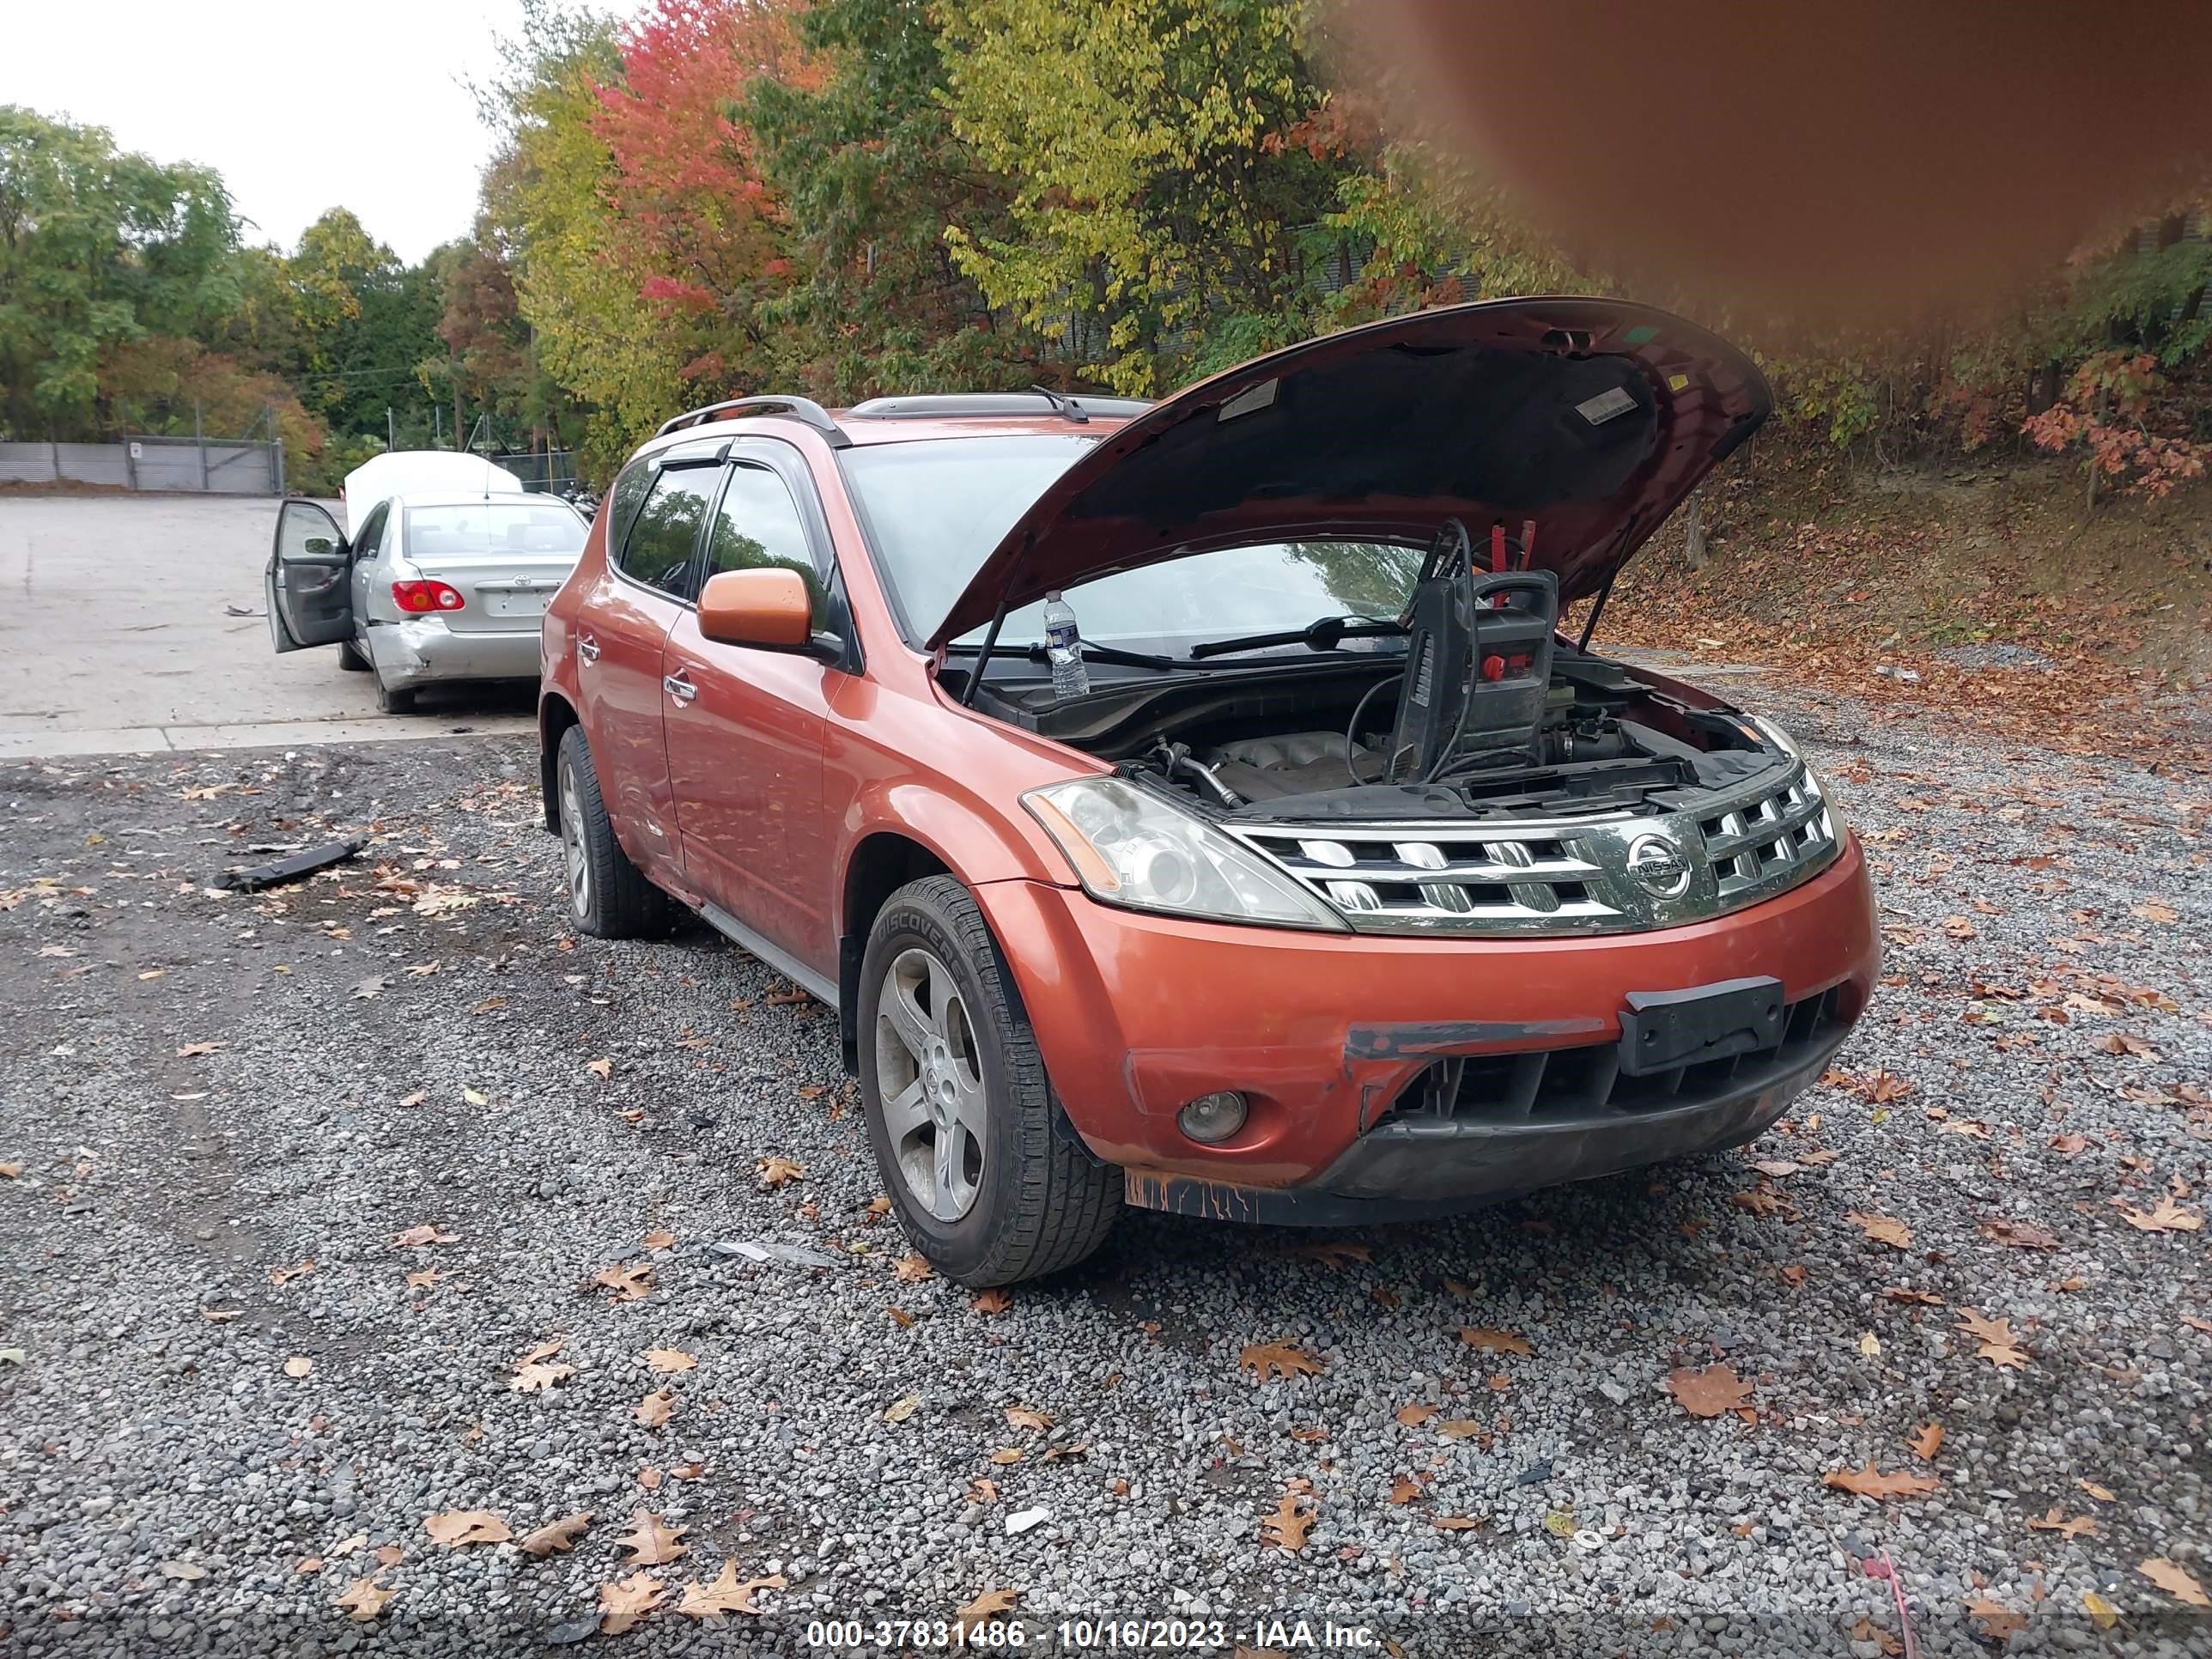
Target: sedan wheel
<point>936,1106</point>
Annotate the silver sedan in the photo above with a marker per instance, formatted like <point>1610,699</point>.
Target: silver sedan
<point>447,586</point>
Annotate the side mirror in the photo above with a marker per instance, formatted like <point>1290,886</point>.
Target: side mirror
<point>768,608</point>
<point>318,547</point>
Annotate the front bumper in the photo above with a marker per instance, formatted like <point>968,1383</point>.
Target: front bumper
<point>424,649</point>
<point>1334,1038</point>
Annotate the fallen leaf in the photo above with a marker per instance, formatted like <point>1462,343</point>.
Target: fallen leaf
<point>1998,1620</point>
<point>901,1318</point>
<point>649,1477</point>
<point>1494,1341</point>
<point>913,1267</point>
<point>557,1537</point>
<point>1405,1490</point>
<point>1881,1228</point>
<point>725,1596</point>
<point>2080,1525</point>
<point>1414,1415</point>
<point>622,1604</point>
<point>632,1283</point>
<point>2175,1580</point>
<point>536,1376</point>
<point>299,1365</point>
<point>1460,1428</point>
<point>308,1566</point>
<point>650,1542</point>
<point>10,1172</point>
<point>1927,1443</point>
<point>669,1360</point>
<point>776,1170</point>
<point>658,1239</point>
<point>1870,1482</point>
<point>1906,1293</point>
<point>2020,1234</point>
<point>1710,1392</point>
<point>426,1279</point>
<point>390,1555</point>
<point>1458,1522</point>
<point>285,1275</point>
<point>1021,1417</point>
<point>2102,1494</point>
<point>415,1099</point>
<point>2168,1217</point>
<point>982,1489</point>
<point>656,1408</point>
<point>455,1527</point>
<point>991,1606</point>
<point>899,1410</point>
<point>602,1069</point>
<point>1004,1456</point>
<point>1286,1528</point>
<point>194,1051</point>
<point>414,1238</point>
<point>1272,1359</point>
<point>993,1302</point>
<point>475,1097</point>
<point>1998,1344</point>
<point>364,1599</point>
<point>1336,1253</point>
<point>2102,1614</point>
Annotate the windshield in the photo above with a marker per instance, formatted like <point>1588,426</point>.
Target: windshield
<point>936,508</point>
<point>484,527</point>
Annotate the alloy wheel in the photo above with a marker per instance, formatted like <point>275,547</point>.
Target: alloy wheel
<point>577,856</point>
<point>929,1077</point>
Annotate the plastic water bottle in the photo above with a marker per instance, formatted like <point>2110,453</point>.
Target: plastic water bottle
<point>1063,649</point>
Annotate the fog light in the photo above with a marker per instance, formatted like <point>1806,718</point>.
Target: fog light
<point>1212,1118</point>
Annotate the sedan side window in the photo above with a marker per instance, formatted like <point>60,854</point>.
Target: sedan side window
<point>758,527</point>
<point>371,533</point>
<point>658,550</point>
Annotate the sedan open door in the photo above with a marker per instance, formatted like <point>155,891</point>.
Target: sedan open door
<point>309,598</point>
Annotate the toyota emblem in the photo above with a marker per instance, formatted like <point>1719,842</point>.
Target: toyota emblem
<point>1659,867</point>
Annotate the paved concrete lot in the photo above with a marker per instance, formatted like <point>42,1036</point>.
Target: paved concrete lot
<point>341,1214</point>
<point>118,633</point>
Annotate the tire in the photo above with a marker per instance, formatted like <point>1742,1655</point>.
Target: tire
<point>350,658</point>
<point>1031,1202</point>
<point>609,896</point>
<point>395,700</point>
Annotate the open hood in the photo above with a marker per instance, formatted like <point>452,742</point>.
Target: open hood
<point>1593,418</point>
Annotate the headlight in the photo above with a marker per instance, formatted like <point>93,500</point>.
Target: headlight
<point>1128,847</point>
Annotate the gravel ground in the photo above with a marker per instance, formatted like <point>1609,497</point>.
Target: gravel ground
<point>207,1440</point>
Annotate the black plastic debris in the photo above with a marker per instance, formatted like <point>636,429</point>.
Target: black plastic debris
<point>255,876</point>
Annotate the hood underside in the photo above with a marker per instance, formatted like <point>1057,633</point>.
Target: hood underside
<point>1591,419</point>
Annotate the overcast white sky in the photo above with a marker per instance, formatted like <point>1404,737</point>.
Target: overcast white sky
<point>300,105</point>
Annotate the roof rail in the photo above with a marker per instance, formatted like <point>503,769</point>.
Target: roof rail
<point>933,406</point>
<point>804,407</point>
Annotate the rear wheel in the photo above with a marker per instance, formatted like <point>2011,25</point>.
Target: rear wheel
<point>960,1113</point>
<point>609,896</point>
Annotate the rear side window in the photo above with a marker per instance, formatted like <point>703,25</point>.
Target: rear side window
<point>625,498</point>
<point>658,550</point>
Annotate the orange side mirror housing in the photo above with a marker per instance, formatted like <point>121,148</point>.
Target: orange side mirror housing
<point>768,608</point>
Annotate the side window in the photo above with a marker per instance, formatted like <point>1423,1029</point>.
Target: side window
<point>659,548</point>
<point>371,533</point>
<point>758,526</point>
<point>623,500</point>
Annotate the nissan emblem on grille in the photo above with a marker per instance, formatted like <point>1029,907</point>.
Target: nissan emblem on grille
<point>1659,867</point>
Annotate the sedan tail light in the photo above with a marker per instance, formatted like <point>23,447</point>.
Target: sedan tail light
<point>420,597</point>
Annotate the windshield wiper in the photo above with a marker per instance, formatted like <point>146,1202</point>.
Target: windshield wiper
<point>1105,654</point>
<point>1321,635</point>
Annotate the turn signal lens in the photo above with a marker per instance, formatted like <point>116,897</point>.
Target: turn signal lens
<point>421,598</point>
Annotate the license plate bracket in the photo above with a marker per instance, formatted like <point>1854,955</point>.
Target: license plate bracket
<point>1662,1030</point>
<point>515,604</point>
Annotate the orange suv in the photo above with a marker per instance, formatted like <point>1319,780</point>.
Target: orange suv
<point>1197,805</point>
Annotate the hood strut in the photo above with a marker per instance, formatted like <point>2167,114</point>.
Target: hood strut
<point>983,657</point>
<point>1597,609</point>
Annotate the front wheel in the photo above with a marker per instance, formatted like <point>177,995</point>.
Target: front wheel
<point>960,1113</point>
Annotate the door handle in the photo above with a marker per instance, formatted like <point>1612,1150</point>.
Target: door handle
<point>677,687</point>
<point>587,648</point>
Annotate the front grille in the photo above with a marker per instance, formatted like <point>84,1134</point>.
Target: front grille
<point>1562,876</point>
<point>1580,1084</point>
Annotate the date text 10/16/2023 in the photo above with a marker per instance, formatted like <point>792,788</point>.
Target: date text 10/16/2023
<point>1100,1635</point>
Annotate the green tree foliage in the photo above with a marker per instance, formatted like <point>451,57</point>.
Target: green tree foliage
<point>99,248</point>
<point>1152,193</point>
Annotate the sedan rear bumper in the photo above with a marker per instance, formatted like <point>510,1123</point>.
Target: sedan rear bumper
<point>426,649</point>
